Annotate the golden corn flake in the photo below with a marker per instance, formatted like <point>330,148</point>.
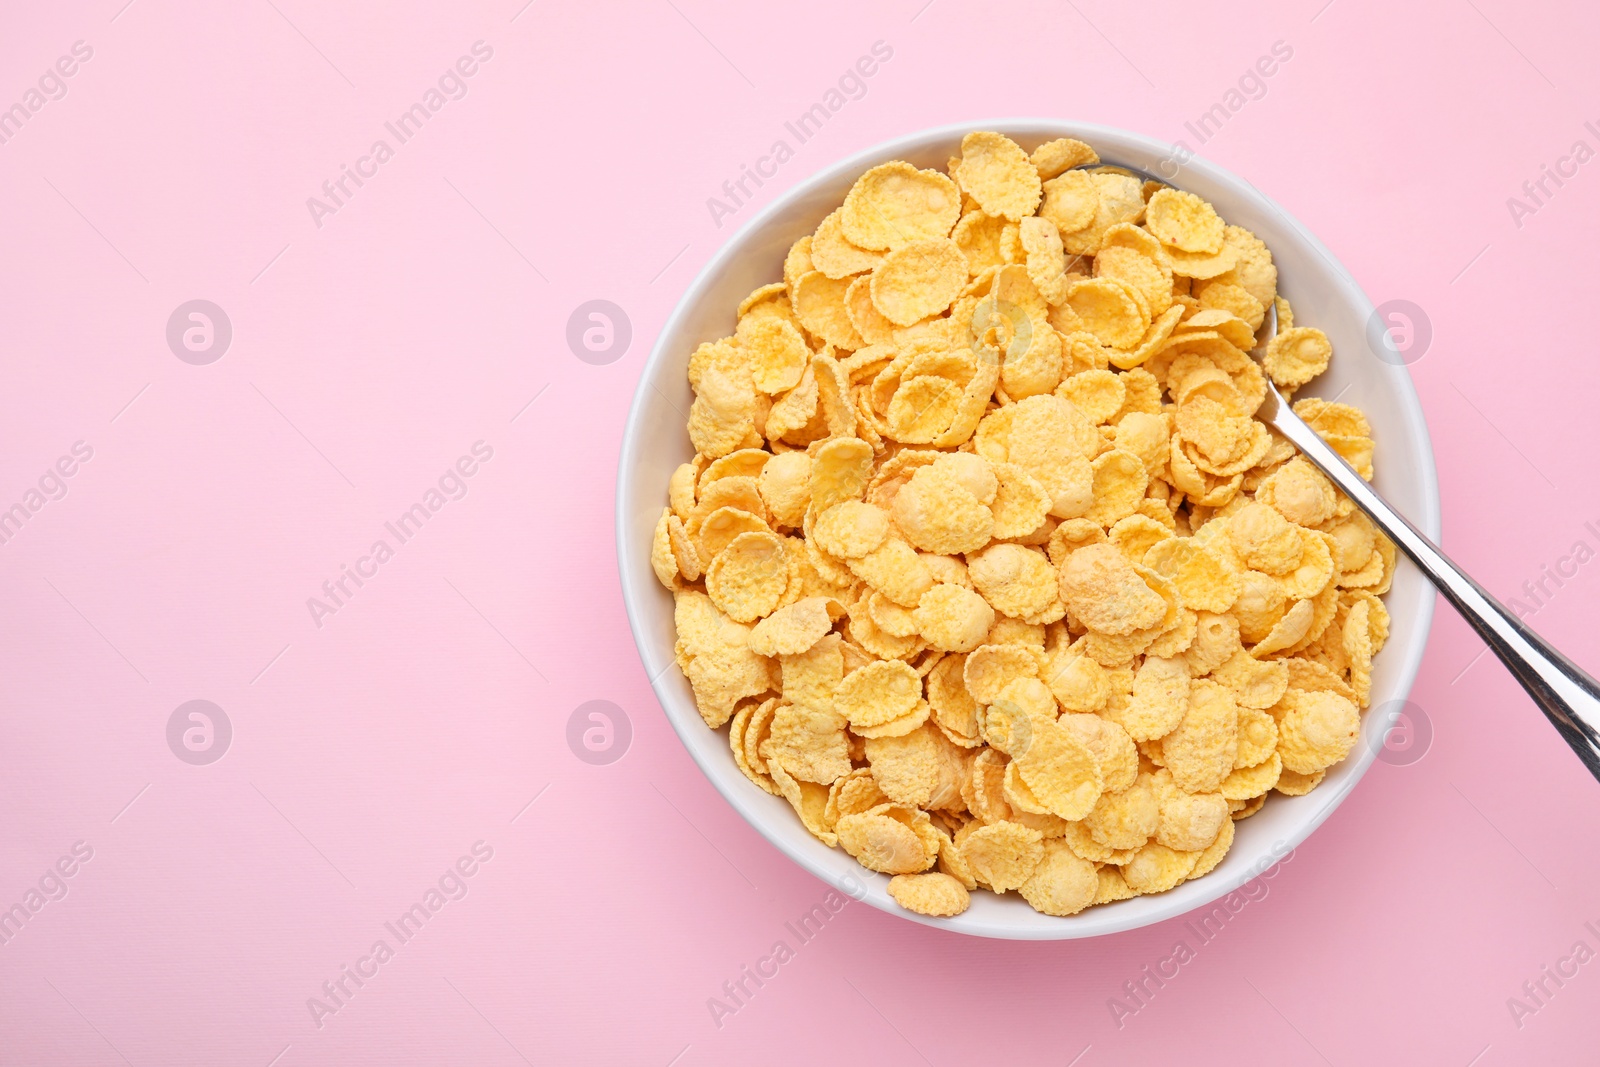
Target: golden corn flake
<point>894,204</point>
<point>1018,581</point>
<point>1062,883</point>
<point>839,472</point>
<point>1236,301</point>
<point>938,510</point>
<point>933,893</point>
<point>747,579</point>
<point>1020,796</point>
<point>982,555</point>
<point>1119,198</point>
<point>745,735</point>
<point>1099,394</point>
<point>1008,723</point>
<point>1295,784</point>
<point>1016,632</point>
<point>1046,262</point>
<point>1148,277</point>
<point>720,527</point>
<point>1155,868</point>
<point>1247,783</point>
<point>1109,309</point>
<point>745,463</point>
<point>1297,355</point>
<point>1316,730</point>
<point>795,628</point>
<point>895,569</point>
<point>662,560</point>
<point>778,353</point>
<point>905,724</point>
<point>989,669</point>
<point>1206,580</point>
<point>882,843</point>
<point>1070,201</point>
<point>1265,540</point>
<point>1105,591</point>
<point>953,618</point>
<point>998,175</point>
<point>1021,503</point>
<point>894,619</point>
<point>1119,480</point>
<point>906,768</point>
<point>922,407</point>
<point>1314,570</point>
<point>809,800</point>
<point>1077,680</point>
<point>988,241</point>
<point>1257,684</point>
<point>796,263</point>
<point>1137,534</point>
<point>819,303</point>
<point>723,676</point>
<point>1125,819</point>
<point>809,743</point>
<point>850,529</point>
<point>1062,154</point>
<point>1214,853</point>
<point>1184,221</point>
<point>878,693</point>
<point>1191,821</point>
<point>1004,854</point>
<point>724,500</point>
<point>1243,809</point>
<point>864,314</point>
<point>833,253</point>
<point>984,792</point>
<point>1302,495</point>
<point>1062,771</point>
<point>1158,700</point>
<point>1330,418</point>
<point>918,279</point>
<point>853,794</point>
<point>1200,751</point>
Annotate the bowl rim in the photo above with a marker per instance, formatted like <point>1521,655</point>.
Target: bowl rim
<point>1097,921</point>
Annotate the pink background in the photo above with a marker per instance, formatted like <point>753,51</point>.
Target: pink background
<point>371,753</point>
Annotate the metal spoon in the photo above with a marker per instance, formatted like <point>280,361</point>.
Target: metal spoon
<point>1569,698</point>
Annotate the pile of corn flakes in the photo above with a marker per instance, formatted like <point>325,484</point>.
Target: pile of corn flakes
<point>982,553</point>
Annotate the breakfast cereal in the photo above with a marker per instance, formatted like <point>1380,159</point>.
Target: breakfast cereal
<point>984,560</point>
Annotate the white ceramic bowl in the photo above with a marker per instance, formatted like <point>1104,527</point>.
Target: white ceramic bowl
<point>1323,295</point>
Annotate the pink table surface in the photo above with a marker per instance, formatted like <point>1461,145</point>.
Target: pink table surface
<point>423,715</point>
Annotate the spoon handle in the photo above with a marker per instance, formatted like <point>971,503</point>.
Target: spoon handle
<point>1569,698</point>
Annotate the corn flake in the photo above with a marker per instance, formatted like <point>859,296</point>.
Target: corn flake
<point>1316,730</point>
<point>796,628</point>
<point>918,279</point>
<point>953,618</point>
<point>835,255</point>
<point>851,529</point>
<point>882,842</point>
<point>894,204</point>
<point>934,893</point>
<point>1003,855</point>
<point>1184,221</point>
<point>1062,154</point>
<point>1062,883</point>
<point>997,174</point>
<point>1155,868</point>
<point>1297,355</point>
<point>1107,593</point>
